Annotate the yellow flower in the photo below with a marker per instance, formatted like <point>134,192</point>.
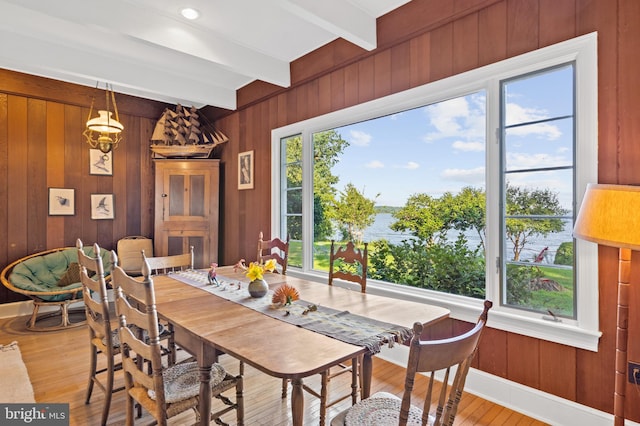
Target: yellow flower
<point>255,271</point>
<point>270,265</point>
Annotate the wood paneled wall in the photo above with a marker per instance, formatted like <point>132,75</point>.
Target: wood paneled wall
<point>42,146</point>
<point>427,40</point>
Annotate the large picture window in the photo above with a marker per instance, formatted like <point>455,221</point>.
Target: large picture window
<point>464,189</point>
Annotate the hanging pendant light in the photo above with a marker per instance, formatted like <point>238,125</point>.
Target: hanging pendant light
<point>104,132</point>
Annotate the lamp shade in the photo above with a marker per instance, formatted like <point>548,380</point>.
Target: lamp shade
<point>610,215</point>
<point>104,123</point>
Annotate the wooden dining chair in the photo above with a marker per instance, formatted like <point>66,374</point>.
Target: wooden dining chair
<point>163,265</point>
<point>274,248</point>
<point>173,263</point>
<point>163,391</point>
<point>348,263</point>
<point>451,356</point>
<point>101,329</point>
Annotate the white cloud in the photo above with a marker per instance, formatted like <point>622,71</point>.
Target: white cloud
<point>470,176</point>
<point>468,146</point>
<point>528,161</point>
<point>461,117</point>
<point>375,164</point>
<point>519,114</point>
<point>411,165</point>
<point>360,138</point>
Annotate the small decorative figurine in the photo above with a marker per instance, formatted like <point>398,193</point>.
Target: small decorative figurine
<point>212,275</point>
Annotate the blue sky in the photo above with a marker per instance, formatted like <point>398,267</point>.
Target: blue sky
<point>441,147</point>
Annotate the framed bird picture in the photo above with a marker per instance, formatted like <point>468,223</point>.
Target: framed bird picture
<point>100,163</point>
<point>102,206</point>
<point>62,202</point>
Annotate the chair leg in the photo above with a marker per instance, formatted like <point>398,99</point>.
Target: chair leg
<point>64,313</point>
<point>31,324</point>
<point>108,388</point>
<point>285,386</point>
<point>240,402</point>
<point>324,380</point>
<point>92,372</point>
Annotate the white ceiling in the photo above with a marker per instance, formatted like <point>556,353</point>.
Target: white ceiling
<point>146,48</point>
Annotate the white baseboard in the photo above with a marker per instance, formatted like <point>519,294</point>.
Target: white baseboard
<point>17,309</point>
<point>532,402</point>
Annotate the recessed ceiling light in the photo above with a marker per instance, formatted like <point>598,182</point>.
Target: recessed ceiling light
<point>190,13</point>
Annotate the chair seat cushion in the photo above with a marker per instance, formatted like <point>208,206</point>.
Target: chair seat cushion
<point>381,409</point>
<point>182,381</point>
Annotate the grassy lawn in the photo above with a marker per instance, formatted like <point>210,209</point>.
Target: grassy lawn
<point>559,302</point>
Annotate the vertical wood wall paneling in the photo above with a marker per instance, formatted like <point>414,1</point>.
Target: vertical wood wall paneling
<point>5,294</point>
<point>492,34</point>
<point>465,44</point>
<point>522,26</point>
<point>312,94</point>
<point>229,219</point>
<point>558,377</point>
<point>324,94</point>
<point>146,176</point>
<point>133,190</point>
<point>595,380</point>
<point>36,175</point>
<point>420,48</point>
<point>401,68</point>
<point>629,92</point>
<point>492,353</point>
<point>17,182</point>
<point>629,128</point>
<point>76,167</point>
<point>350,87</point>
<point>260,195</point>
<point>55,173</point>
<point>441,50</point>
<point>337,89</point>
<point>366,79</point>
<point>523,360</point>
<point>557,21</point>
<point>382,73</point>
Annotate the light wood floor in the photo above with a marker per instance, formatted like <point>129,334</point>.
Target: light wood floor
<point>58,367</point>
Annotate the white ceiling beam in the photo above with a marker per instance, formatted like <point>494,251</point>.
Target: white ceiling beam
<point>81,23</point>
<point>338,17</point>
<point>135,78</point>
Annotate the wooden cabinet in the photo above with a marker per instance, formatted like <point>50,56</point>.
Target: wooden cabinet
<point>187,209</point>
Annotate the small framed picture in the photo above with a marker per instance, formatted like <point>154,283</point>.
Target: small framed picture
<point>102,206</point>
<point>245,170</point>
<point>62,202</point>
<point>100,163</point>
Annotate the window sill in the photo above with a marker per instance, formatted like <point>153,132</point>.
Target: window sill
<point>468,309</point>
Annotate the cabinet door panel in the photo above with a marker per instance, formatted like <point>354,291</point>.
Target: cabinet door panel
<point>187,209</point>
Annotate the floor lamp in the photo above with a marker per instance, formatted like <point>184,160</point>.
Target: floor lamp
<point>610,216</point>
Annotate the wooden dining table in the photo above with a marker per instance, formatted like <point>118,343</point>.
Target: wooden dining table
<point>206,324</point>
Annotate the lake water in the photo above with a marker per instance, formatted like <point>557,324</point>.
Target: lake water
<point>380,229</point>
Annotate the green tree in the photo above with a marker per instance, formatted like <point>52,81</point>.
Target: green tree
<point>327,147</point>
<point>429,218</point>
<point>354,212</point>
<point>421,217</point>
<point>523,203</point>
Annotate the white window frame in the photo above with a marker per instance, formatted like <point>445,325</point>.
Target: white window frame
<point>583,332</point>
